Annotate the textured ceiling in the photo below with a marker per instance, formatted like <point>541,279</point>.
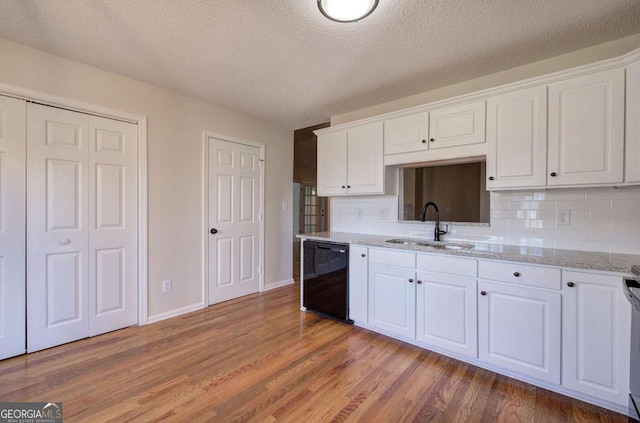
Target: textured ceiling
<point>282,61</point>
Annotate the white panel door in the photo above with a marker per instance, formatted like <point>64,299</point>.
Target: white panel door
<point>632,153</point>
<point>457,125</point>
<point>586,129</point>
<point>234,221</point>
<point>517,139</point>
<point>392,300</point>
<point>332,163</point>
<point>519,329</point>
<point>596,334</point>
<point>13,114</point>
<point>113,225</point>
<point>58,226</point>
<point>365,160</point>
<point>446,313</point>
<point>406,134</point>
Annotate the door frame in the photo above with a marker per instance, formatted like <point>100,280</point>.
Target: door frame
<point>141,121</point>
<point>205,207</point>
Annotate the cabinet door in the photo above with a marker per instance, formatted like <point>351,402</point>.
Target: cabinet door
<point>517,139</point>
<point>332,163</point>
<point>358,277</point>
<point>596,327</point>
<point>392,296</point>
<point>446,313</point>
<point>632,155</point>
<point>458,125</point>
<point>365,160</point>
<point>406,134</point>
<point>519,329</point>
<point>13,114</point>
<point>586,129</point>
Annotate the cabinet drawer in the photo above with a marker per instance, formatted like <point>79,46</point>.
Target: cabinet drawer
<point>447,264</point>
<point>543,277</point>
<point>393,258</point>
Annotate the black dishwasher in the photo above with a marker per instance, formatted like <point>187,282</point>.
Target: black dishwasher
<point>325,279</point>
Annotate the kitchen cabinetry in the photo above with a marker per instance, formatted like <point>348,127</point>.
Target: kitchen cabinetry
<point>392,294</point>
<point>596,332</point>
<point>586,130</point>
<point>519,324</point>
<point>358,281</point>
<point>632,154</point>
<point>457,125</point>
<point>519,329</point>
<point>517,139</point>
<point>406,134</point>
<point>351,161</point>
<point>439,128</point>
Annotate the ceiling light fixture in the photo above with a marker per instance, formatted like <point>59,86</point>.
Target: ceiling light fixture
<point>347,10</point>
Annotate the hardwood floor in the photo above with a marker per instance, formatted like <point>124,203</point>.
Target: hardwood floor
<point>259,358</point>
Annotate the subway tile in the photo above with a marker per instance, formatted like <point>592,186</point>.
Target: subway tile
<point>626,193</point>
<point>565,194</point>
<point>532,205</point>
<point>567,244</point>
<point>500,205</point>
<point>583,205</point>
<point>580,215</point>
<point>626,205</point>
<point>626,226</point>
<point>625,248</point>
<point>615,237</point>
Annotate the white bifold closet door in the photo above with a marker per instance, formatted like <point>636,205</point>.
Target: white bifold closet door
<point>81,226</point>
<point>12,227</point>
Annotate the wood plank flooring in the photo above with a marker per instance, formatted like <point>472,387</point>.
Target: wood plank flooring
<point>259,358</point>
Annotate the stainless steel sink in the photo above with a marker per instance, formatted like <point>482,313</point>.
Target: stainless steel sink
<point>433,244</point>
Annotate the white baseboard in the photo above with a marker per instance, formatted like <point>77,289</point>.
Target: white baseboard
<point>174,313</point>
<point>279,284</point>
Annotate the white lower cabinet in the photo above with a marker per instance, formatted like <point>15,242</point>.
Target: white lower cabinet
<point>358,280</point>
<point>596,333</point>
<point>446,313</point>
<point>564,328</point>
<point>392,299</point>
<point>519,329</point>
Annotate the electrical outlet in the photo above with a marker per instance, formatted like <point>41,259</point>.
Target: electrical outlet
<point>166,286</point>
<point>564,217</point>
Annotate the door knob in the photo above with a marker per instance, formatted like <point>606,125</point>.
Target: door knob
<point>571,284</point>
<point>483,292</point>
<point>65,241</point>
<point>213,231</point>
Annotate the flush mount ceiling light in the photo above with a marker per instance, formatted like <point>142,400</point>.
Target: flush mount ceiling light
<point>347,10</point>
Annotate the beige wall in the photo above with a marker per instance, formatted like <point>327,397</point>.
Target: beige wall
<point>175,181</point>
<point>565,61</point>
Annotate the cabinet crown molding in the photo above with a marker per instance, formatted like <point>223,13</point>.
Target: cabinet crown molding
<point>607,64</point>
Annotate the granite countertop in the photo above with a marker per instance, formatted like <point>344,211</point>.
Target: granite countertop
<point>608,262</point>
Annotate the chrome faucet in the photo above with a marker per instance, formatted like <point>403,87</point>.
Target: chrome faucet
<point>436,230</point>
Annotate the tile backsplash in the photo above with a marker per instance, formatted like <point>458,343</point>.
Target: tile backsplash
<point>593,219</point>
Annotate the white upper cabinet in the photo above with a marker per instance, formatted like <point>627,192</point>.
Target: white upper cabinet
<point>632,155</point>
<point>406,134</point>
<point>586,130</point>
<point>517,139</point>
<point>457,125</point>
<point>351,161</point>
<point>365,160</point>
<point>332,163</point>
